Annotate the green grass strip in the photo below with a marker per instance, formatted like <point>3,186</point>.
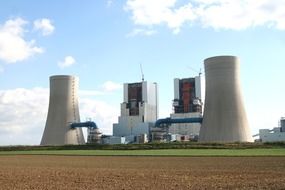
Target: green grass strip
<point>157,152</point>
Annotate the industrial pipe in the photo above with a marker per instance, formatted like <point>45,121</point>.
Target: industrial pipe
<point>88,124</point>
<point>169,120</point>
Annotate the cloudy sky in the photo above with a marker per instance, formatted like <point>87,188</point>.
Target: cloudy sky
<point>104,42</point>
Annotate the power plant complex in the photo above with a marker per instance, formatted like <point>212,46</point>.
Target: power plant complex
<point>220,118</point>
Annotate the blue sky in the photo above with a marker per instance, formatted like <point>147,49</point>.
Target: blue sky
<point>104,42</point>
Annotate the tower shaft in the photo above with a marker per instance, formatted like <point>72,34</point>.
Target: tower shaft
<point>63,110</point>
<point>225,118</point>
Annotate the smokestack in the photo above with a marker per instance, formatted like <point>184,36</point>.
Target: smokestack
<point>224,118</point>
<point>63,110</point>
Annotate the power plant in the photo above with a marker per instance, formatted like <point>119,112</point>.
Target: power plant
<point>224,117</point>
<point>220,118</point>
<point>184,124</point>
<point>62,112</point>
<point>138,111</point>
<point>187,103</point>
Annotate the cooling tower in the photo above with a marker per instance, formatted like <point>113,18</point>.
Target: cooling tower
<point>63,110</point>
<point>224,118</point>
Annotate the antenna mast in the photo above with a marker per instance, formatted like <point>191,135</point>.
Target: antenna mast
<point>142,72</point>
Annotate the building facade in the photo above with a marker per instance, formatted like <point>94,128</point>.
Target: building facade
<point>274,135</point>
<point>139,110</point>
<point>187,103</point>
<point>187,95</point>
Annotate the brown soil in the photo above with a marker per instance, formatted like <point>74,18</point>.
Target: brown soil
<point>88,172</point>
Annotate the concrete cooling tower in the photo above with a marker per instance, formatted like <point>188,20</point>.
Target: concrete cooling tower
<point>224,118</point>
<point>63,110</point>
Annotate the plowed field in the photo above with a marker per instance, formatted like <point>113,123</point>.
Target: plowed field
<point>99,172</point>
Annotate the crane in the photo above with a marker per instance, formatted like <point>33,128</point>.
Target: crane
<point>196,71</point>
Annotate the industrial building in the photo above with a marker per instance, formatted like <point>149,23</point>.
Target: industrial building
<point>274,135</point>
<point>62,112</point>
<point>187,103</point>
<point>139,110</point>
<point>113,140</point>
<point>225,118</point>
<point>185,121</point>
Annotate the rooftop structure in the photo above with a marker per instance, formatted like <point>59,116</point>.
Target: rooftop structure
<point>282,124</point>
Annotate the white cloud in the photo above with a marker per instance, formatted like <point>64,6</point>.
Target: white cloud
<point>90,93</point>
<point>45,26</point>
<point>238,15</point>
<point>103,89</point>
<point>1,69</point>
<point>22,115</point>
<point>142,32</point>
<point>13,46</point>
<point>110,86</point>
<point>67,62</point>
<point>149,13</point>
<point>110,3</point>
<point>218,14</point>
<point>101,112</point>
